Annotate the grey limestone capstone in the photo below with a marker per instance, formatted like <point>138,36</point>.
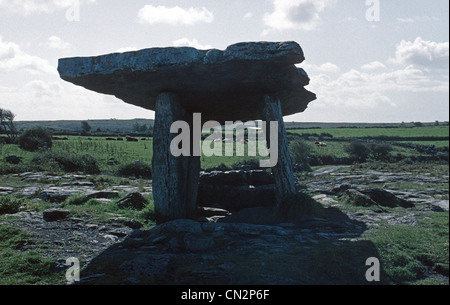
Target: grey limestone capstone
<point>221,85</point>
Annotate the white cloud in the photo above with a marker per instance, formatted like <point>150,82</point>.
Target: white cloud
<point>325,68</point>
<point>54,42</point>
<point>375,65</point>
<point>295,14</point>
<point>50,100</point>
<point>428,54</point>
<point>248,15</point>
<point>374,91</point>
<point>406,20</point>
<point>12,58</point>
<point>150,14</point>
<point>417,18</point>
<point>409,79</point>
<point>186,42</point>
<point>126,49</point>
<point>41,89</point>
<point>28,7</point>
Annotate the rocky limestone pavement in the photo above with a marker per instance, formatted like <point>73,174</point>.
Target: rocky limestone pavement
<point>63,235</point>
<point>57,188</point>
<point>375,186</point>
<point>224,246</point>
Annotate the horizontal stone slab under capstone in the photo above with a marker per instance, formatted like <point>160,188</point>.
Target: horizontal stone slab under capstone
<point>222,85</point>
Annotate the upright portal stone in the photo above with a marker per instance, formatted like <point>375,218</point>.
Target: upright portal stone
<point>282,172</point>
<point>175,179</point>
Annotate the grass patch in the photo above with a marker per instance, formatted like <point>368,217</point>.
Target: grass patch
<point>23,268</point>
<point>75,200</point>
<point>10,204</point>
<point>340,264</point>
<point>438,144</point>
<point>135,169</point>
<point>57,161</point>
<point>103,150</point>
<point>82,205</point>
<point>407,253</point>
<point>404,186</point>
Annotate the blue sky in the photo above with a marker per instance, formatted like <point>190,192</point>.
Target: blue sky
<point>369,61</point>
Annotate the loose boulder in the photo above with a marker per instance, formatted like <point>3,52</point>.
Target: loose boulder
<point>13,159</point>
<point>387,199</point>
<point>357,198</point>
<point>55,214</point>
<point>373,197</point>
<point>133,200</point>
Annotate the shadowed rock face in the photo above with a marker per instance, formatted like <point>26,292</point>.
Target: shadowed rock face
<point>222,85</point>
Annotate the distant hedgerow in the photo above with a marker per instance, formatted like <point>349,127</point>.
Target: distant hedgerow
<point>67,162</point>
<point>135,169</point>
<point>359,151</point>
<point>300,152</point>
<point>35,139</point>
<point>381,152</point>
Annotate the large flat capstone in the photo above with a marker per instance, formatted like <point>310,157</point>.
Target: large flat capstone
<point>221,85</point>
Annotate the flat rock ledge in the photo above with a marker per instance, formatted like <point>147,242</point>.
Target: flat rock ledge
<point>189,252</point>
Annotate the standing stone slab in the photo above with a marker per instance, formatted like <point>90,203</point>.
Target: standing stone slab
<point>283,172</point>
<point>175,179</point>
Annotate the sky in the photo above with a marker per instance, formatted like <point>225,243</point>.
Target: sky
<point>371,61</point>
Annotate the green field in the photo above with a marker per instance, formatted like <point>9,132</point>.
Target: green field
<point>429,131</point>
<point>123,152</point>
<point>104,150</point>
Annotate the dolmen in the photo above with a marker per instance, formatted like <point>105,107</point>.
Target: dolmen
<point>246,81</point>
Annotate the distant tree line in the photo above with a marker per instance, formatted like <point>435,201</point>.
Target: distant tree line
<point>138,129</point>
<point>143,129</point>
<point>299,126</point>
